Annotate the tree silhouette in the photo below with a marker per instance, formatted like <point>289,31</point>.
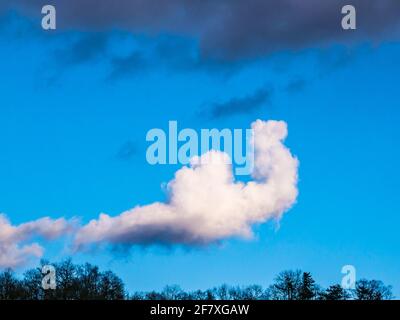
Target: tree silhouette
<point>67,281</point>
<point>32,285</point>
<point>89,277</point>
<point>111,287</point>
<point>308,288</point>
<point>10,287</point>
<point>287,286</point>
<point>372,290</point>
<point>173,292</point>
<point>222,292</point>
<point>335,292</point>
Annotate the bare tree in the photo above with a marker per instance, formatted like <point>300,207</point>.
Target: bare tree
<point>287,286</point>
<point>335,292</point>
<point>372,290</point>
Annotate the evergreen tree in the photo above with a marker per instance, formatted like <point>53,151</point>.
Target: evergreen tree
<point>307,288</point>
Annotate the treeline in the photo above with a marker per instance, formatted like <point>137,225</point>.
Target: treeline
<point>288,285</point>
<point>87,282</point>
<point>73,282</point>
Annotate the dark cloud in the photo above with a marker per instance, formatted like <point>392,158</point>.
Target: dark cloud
<point>167,53</point>
<point>241,105</point>
<point>230,29</point>
<point>182,54</point>
<point>150,235</point>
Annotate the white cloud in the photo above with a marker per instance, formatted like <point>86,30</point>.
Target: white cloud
<point>205,203</point>
<point>14,249</point>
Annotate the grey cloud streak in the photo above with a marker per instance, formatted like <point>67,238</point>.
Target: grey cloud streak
<point>240,105</point>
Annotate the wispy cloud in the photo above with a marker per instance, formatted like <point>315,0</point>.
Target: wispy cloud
<point>84,48</point>
<point>239,105</point>
<point>296,85</point>
<point>15,248</point>
<point>127,151</point>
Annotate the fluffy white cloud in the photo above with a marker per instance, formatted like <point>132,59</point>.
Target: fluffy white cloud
<point>205,203</point>
<point>14,249</point>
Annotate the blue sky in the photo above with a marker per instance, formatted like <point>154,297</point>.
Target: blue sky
<point>66,118</point>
